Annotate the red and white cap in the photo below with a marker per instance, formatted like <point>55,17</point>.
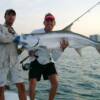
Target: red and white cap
<point>49,16</point>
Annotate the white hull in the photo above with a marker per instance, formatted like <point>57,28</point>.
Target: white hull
<point>10,95</point>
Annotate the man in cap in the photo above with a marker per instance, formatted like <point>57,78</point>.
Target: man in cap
<point>42,63</point>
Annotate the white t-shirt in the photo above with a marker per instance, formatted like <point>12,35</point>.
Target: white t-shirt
<point>44,54</point>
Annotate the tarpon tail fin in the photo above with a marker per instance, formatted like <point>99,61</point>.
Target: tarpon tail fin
<point>78,50</point>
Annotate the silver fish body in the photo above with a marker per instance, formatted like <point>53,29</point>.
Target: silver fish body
<point>53,39</point>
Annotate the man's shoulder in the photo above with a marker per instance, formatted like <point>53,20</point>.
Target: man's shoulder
<point>38,31</point>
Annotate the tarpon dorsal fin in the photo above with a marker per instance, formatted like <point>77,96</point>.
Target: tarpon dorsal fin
<point>68,28</point>
<point>78,50</point>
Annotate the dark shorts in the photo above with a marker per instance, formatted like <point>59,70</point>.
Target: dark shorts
<point>37,70</point>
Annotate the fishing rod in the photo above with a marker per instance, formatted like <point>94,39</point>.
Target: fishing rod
<point>70,24</point>
<point>82,15</point>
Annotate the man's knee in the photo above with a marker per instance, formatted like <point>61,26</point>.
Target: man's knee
<point>20,86</point>
<point>54,83</point>
<point>32,84</point>
<point>2,90</point>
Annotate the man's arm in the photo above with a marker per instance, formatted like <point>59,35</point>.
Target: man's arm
<point>64,44</point>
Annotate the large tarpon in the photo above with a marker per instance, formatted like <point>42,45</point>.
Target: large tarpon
<point>53,39</point>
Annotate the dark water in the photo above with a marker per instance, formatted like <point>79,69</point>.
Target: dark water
<point>79,77</point>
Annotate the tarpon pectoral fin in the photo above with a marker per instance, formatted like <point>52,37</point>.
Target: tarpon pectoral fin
<point>78,50</point>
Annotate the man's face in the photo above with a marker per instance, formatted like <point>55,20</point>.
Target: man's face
<point>49,24</point>
<point>10,19</point>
